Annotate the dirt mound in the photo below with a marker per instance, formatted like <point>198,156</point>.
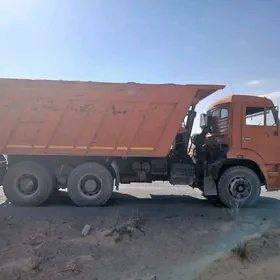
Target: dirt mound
<point>255,259</point>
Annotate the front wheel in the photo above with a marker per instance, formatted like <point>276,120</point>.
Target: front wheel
<point>238,187</point>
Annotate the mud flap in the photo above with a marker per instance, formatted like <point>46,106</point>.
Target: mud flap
<point>209,186</point>
<point>3,168</point>
<point>117,174</point>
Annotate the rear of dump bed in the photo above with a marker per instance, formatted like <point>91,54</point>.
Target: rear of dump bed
<point>97,119</point>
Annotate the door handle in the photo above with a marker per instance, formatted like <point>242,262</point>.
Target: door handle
<point>246,138</point>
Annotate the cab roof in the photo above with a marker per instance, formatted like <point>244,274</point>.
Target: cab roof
<point>258,100</point>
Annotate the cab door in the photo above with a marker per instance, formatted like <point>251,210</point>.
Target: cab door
<point>259,134</point>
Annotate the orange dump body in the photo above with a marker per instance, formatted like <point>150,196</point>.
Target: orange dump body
<point>86,118</point>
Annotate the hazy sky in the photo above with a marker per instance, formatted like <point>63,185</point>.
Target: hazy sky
<point>230,42</point>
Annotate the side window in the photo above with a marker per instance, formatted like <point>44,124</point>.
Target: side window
<point>224,113</point>
<point>270,119</point>
<point>255,116</point>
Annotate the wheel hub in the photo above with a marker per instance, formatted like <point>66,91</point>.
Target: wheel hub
<point>90,185</point>
<point>27,184</point>
<point>240,188</point>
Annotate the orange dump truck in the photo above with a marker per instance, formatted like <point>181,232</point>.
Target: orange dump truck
<point>91,137</point>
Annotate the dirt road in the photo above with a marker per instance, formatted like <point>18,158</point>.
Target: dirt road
<point>145,233</point>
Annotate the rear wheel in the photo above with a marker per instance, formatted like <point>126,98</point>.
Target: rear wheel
<point>90,184</point>
<point>239,187</point>
<point>28,184</point>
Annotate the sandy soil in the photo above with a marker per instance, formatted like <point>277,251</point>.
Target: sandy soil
<point>253,259</point>
<point>145,233</point>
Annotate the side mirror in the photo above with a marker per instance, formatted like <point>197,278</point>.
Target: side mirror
<point>277,120</point>
<point>203,120</point>
<point>277,111</point>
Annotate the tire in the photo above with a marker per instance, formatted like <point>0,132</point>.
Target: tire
<point>96,173</point>
<point>241,175</point>
<point>40,175</point>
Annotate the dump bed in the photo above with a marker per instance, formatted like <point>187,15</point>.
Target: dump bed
<point>87,118</point>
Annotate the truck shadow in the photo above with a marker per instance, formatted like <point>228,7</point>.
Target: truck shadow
<point>117,200</point>
<point>167,205</point>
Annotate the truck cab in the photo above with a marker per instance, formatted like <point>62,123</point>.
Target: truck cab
<point>243,135</point>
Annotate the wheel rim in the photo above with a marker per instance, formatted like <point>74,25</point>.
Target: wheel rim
<point>240,188</point>
<point>27,184</point>
<point>90,186</point>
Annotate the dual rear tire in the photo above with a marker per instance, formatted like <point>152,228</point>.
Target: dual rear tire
<point>32,184</point>
<point>28,184</point>
<point>90,184</point>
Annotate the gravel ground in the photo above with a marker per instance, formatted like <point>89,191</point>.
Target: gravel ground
<point>146,232</point>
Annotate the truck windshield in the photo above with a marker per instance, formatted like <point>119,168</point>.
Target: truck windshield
<point>220,113</point>
<point>214,113</point>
